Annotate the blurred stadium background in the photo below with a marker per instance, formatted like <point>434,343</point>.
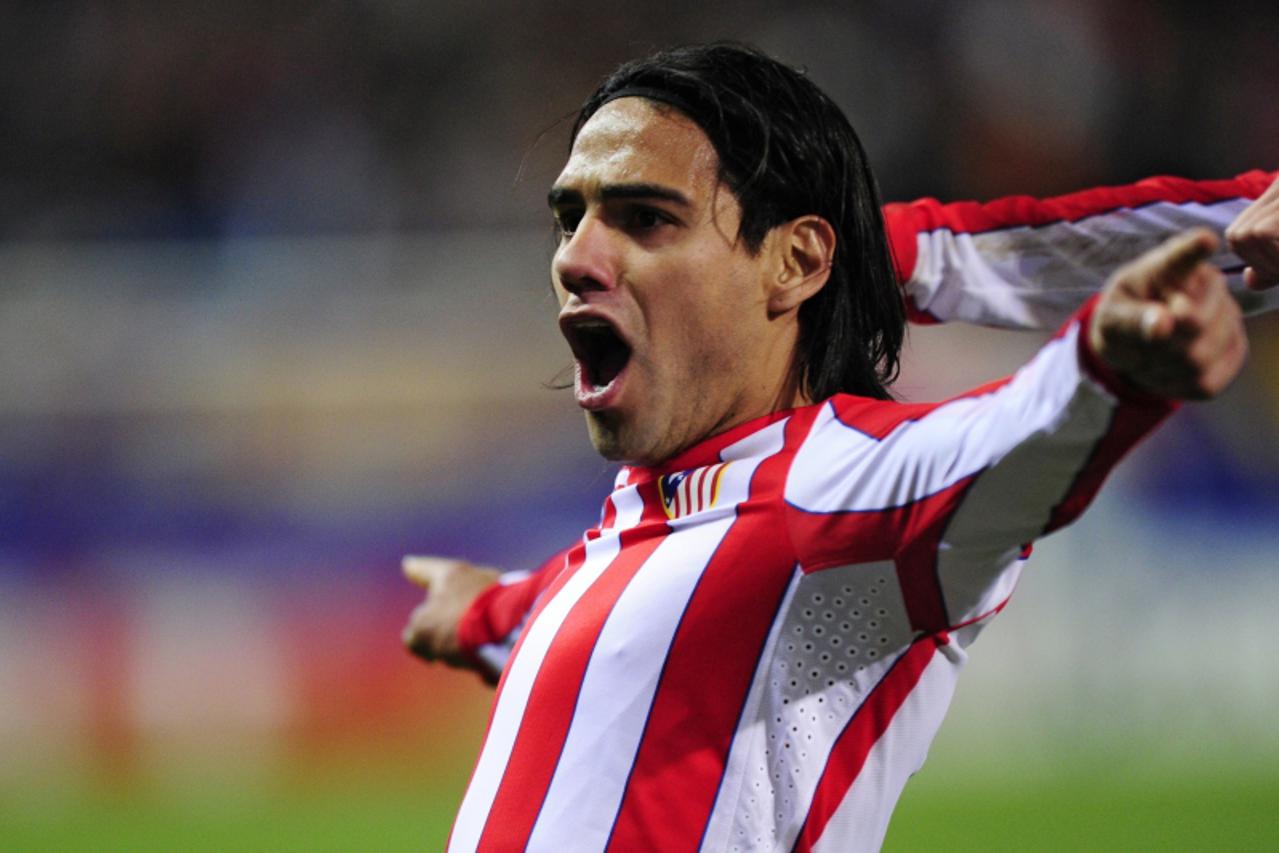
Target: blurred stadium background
<point>273,312</point>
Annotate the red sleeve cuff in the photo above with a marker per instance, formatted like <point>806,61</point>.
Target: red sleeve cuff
<point>497,612</point>
<point>474,628</point>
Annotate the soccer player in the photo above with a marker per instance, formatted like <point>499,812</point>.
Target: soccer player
<point>757,643</point>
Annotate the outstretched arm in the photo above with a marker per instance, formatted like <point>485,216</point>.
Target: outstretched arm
<point>953,492</point>
<point>471,615</point>
<point>1021,262</point>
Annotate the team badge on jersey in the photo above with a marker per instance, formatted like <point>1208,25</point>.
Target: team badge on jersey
<point>687,492</point>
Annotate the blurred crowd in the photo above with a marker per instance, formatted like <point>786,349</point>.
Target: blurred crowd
<point>273,312</point>
<point>186,119</point>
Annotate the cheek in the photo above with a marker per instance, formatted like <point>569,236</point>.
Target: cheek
<point>721,321</point>
<point>701,314</point>
<point>704,345</point>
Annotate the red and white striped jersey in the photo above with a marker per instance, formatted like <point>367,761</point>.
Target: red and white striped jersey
<point>1017,262</point>
<point>755,647</point>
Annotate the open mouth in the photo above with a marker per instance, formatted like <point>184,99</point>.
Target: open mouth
<point>601,353</point>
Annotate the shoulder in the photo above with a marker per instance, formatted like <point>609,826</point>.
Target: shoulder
<point>872,418</point>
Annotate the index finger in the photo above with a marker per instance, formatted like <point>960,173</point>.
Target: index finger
<point>1171,263</point>
<point>424,571</point>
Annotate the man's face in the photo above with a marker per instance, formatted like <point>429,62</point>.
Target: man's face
<point>663,306</point>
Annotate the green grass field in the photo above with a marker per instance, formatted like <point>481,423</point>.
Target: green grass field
<point>1090,802</point>
<point>1088,808</point>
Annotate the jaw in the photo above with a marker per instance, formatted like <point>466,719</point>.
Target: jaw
<point>619,438</point>
<point>644,433</point>
<point>606,435</point>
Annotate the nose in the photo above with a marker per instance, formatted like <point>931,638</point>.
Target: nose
<point>586,260</point>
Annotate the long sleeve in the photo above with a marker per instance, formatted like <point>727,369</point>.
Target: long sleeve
<point>954,493</point>
<point>489,628</point>
<point>1021,262</point>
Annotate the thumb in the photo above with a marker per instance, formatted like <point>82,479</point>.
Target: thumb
<point>426,571</point>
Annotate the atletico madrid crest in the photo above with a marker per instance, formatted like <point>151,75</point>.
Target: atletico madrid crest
<point>687,492</point>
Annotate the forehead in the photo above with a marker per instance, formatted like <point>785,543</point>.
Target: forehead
<point>633,140</point>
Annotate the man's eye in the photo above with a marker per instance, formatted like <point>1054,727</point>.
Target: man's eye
<point>645,218</point>
<point>566,223</point>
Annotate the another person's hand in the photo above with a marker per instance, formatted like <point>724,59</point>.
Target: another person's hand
<point>1167,324</point>
<point>451,585</point>
<point>1254,237</point>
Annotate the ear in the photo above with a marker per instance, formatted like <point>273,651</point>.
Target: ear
<point>805,248</point>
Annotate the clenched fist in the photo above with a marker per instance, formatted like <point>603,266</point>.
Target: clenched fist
<point>1167,324</point>
<point>1254,237</point>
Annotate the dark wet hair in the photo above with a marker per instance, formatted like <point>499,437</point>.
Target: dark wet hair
<point>786,150</point>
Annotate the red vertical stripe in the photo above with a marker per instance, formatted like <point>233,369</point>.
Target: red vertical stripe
<point>917,561</point>
<point>701,691</point>
<point>608,520</point>
<point>699,489</point>
<point>574,558</point>
<point>862,733</point>
<point>553,698</point>
<point>501,608</point>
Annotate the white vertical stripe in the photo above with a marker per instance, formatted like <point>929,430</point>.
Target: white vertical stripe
<point>764,442</point>
<point>619,685</point>
<point>523,669</point>
<point>861,820</point>
<point>494,655</point>
<point>749,730</point>
<point>841,630</point>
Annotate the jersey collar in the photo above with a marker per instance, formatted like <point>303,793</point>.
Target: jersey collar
<point>705,452</point>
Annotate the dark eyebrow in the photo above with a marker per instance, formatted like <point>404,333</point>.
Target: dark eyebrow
<point>560,196</point>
